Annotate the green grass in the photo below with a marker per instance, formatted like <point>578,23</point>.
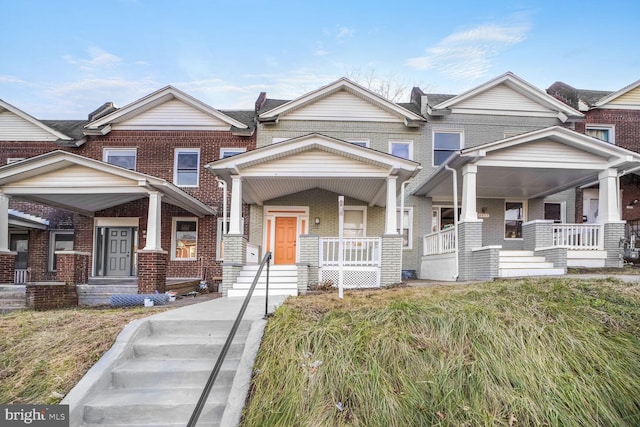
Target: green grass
<point>549,352</point>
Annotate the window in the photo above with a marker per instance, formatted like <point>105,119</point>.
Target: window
<point>186,169</point>
<point>14,160</point>
<point>445,143</point>
<point>402,149</point>
<point>184,239</point>
<point>362,142</point>
<point>123,157</point>
<point>59,241</point>
<point>554,211</point>
<point>442,217</point>
<point>513,219</point>
<point>355,220</point>
<point>228,152</point>
<point>407,227</point>
<point>603,132</point>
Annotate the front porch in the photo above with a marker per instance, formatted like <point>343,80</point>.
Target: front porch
<point>546,248</point>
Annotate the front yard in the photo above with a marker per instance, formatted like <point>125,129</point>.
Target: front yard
<point>533,352</point>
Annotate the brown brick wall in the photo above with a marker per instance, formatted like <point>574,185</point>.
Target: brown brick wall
<point>72,268</point>
<point>627,126</point>
<point>152,272</point>
<point>7,267</point>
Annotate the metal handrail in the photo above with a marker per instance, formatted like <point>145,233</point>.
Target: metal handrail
<point>223,353</point>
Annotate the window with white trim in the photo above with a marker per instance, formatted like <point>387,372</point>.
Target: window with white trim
<point>401,148</point>
<point>123,157</point>
<point>228,152</point>
<point>603,132</point>
<point>407,227</point>
<point>355,221</point>
<point>184,239</point>
<point>445,143</point>
<point>59,241</point>
<point>362,142</point>
<point>514,215</point>
<point>554,211</point>
<point>186,172</point>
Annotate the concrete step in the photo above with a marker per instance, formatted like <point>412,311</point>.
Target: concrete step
<point>514,253</point>
<point>171,373</point>
<point>207,328</point>
<point>523,272</point>
<point>195,347</point>
<point>272,278</point>
<point>531,259</point>
<point>13,302</point>
<point>7,310</point>
<point>525,265</point>
<point>137,407</point>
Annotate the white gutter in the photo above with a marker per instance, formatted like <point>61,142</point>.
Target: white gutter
<point>455,215</point>
<point>223,184</point>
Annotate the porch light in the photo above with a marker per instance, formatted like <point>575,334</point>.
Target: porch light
<point>317,220</point>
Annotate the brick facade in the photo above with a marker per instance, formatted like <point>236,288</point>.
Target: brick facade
<point>7,267</point>
<point>51,296</point>
<point>152,271</point>
<point>72,267</point>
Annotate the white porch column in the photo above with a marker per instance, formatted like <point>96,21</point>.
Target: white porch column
<point>4,223</point>
<point>469,210</point>
<point>391,226</point>
<point>608,204</point>
<point>235,213</point>
<point>154,226</point>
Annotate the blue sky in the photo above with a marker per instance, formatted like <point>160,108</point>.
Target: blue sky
<point>62,59</point>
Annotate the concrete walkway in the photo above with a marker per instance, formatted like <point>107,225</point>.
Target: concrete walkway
<point>156,370</point>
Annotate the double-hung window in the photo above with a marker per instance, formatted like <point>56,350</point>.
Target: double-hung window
<point>407,227</point>
<point>355,221</point>
<point>362,142</point>
<point>445,143</point>
<point>187,167</point>
<point>228,152</point>
<point>59,241</point>
<point>184,239</point>
<point>123,157</point>
<point>513,219</point>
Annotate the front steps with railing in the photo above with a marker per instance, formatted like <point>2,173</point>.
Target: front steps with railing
<point>12,298</point>
<point>525,263</point>
<point>283,280</point>
<point>161,382</point>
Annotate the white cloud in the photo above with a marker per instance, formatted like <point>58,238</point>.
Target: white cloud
<point>344,32</point>
<point>10,79</point>
<point>320,52</point>
<point>468,54</point>
<point>98,58</point>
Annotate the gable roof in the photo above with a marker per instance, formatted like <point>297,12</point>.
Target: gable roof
<point>62,132</point>
<point>102,125</point>
<point>343,84</point>
<point>517,84</point>
<point>614,95</point>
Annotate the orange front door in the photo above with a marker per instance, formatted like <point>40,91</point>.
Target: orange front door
<point>286,233</point>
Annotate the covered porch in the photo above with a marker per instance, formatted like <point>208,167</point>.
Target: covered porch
<point>302,194</point>
<point>513,218</point>
<point>90,188</point>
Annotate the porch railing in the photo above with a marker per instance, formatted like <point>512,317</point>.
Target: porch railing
<point>21,276</point>
<point>358,251</point>
<point>578,236</point>
<point>440,242</point>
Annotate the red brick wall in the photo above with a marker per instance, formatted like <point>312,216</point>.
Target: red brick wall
<point>51,297</point>
<point>155,156</point>
<point>152,272</point>
<point>72,268</point>
<point>7,268</point>
<point>627,126</point>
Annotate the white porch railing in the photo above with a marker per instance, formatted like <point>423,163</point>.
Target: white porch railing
<point>21,276</point>
<point>358,251</point>
<point>362,260</point>
<point>440,242</point>
<point>578,236</point>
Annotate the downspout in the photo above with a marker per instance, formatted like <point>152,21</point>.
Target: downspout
<point>455,215</point>
<point>402,188</point>
<point>223,184</point>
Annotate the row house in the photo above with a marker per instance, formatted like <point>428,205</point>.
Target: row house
<point>340,184</point>
<point>613,117</point>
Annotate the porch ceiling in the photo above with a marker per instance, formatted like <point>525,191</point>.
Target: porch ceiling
<point>513,182</point>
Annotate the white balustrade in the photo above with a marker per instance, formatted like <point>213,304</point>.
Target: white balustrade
<point>440,242</point>
<point>358,251</point>
<point>578,236</point>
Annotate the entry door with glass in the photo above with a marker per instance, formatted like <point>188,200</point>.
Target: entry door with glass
<point>115,251</point>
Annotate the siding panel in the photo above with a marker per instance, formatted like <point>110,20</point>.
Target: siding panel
<point>342,106</point>
<point>630,98</point>
<point>15,128</point>
<point>545,151</point>
<point>173,114</point>
<point>314,160</point>
<point>75,175</point>
<point>502,97</point>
